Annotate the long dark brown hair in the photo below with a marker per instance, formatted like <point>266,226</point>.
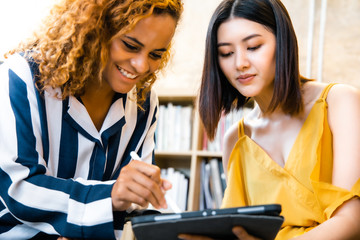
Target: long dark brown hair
<point>217,94</point>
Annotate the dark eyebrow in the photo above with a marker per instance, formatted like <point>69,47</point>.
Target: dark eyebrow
<point>243,40</point>
<point>142,45</point>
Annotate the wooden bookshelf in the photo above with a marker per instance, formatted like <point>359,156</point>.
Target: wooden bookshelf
<point>190,160</point>
<point>179,83</point>
<point>185,160</point>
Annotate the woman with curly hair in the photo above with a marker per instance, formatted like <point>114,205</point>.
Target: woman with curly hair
<point>75,101</point>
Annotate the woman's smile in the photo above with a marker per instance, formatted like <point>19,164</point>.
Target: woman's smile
<point>126,73</point>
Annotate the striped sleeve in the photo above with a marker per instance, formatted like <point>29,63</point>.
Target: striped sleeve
<point>148,142</point>
<point>138,133</point>
<point>34,199</point>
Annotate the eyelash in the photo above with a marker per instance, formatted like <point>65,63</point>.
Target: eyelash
<point>129,46</point>
<point>254,48</point>
<point>155,56</point>
<point>224,55</point>
<point>134,48</point>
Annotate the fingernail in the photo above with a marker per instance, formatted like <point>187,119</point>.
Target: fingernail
<point>167,185</point>
<point>181,236</point>
<point>237,230</point>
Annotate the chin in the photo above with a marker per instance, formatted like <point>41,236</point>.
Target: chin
<point>249,91</point>
<point>122,89</point>
<point>248,94</point>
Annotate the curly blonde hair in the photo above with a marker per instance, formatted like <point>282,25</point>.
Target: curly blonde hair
<point>72,47</point>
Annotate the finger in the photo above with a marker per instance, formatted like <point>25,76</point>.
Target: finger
<point>192,237</point>
<point>242,234</point>
<point>146,191</point>
<point>134,180</point>
<point>239,232</point>
<point>165,184</point>
<point>121,194</point>
<point>136,199</point>
<point>119,198</point>
<point>150,178</point>
<point>149,170</point>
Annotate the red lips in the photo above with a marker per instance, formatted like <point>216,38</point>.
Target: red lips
<point>245,78</point>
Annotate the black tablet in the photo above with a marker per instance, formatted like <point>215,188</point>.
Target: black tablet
<point>263,221</point>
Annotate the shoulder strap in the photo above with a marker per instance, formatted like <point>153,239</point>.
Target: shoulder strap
<point>326,90</point>
<point>241,128</point>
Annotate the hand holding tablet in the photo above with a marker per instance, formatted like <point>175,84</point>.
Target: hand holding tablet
<point>263,221</point>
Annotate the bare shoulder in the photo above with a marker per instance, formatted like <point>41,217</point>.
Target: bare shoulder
<point>230,138</point>
<point>338,94</point>
<point>343,106</point>
<point>343,93</point>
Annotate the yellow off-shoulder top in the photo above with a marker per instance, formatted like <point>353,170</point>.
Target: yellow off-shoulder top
<point>303,186</point>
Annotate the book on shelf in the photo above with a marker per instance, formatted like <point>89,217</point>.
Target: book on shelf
<point>212,185</point>
<point>201,187</point>
<point>205,179</point>
<point>222,177</point>
<point>174,128</point>
<point>215,185</point>
<point>225,122</point>
<point>179,190</point>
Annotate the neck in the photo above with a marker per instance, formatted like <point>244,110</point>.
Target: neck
<point>270,115</point>
<point>98,94</point>
<point>263,103</point>
<point>97,100</point>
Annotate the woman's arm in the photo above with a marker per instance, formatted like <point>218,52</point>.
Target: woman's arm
<point>344,224</point>
<point>343,117</point>
<point>29,190</point>
<point>230,139</point>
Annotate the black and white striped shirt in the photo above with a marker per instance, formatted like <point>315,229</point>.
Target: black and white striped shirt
<point>56,169</point>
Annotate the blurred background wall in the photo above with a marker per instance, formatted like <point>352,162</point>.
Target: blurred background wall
<point>328,33</point>
<point>18,19</point>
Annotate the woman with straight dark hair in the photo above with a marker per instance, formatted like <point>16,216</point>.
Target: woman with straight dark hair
<point>298,147</point>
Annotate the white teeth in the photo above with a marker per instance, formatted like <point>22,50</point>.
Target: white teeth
<point>125,73</point>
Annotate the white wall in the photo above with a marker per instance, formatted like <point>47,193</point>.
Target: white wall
<point>18,19</point>
<point>338,62</point>
<point>332,54</point>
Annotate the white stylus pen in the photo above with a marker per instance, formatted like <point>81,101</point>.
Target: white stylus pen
<point>169,200</point>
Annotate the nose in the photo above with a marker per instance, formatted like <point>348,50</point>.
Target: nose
<point>241,61</point>
<point>140,64</point>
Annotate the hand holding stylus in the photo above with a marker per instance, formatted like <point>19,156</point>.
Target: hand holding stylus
<point>139,183</point>
<point>172,204</point>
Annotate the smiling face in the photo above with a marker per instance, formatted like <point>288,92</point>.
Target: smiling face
<point>137,53</point>
<point>247,56</point>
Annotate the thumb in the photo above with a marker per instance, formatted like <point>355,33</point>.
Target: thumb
<point>166,185</point>
<point>241,233</point>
